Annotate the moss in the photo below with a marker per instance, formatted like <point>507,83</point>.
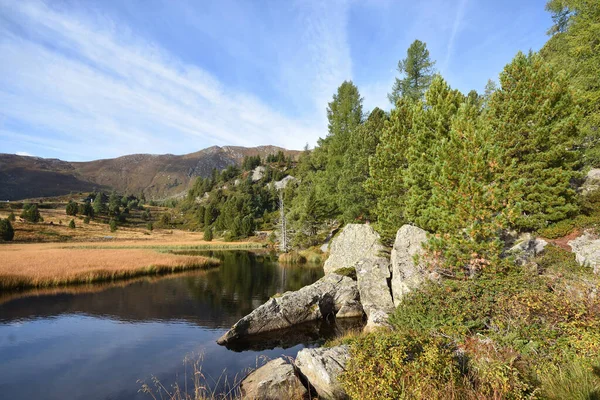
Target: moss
<point>350,272</point>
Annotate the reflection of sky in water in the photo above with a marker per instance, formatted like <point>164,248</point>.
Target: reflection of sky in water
<point>98,345</point>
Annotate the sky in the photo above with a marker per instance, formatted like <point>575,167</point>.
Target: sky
<point>83,80</point>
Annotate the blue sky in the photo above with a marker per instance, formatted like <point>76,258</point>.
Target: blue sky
<point>82,80</point>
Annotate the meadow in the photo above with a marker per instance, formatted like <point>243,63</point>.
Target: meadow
<point>50,253</point>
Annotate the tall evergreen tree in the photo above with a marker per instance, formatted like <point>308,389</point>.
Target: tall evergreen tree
<point>575,48</point>
<point>344,113</point>
<point>468,198</point>
<point>418,71</point>
<point>534,117</point>
<point>386,167</point>
<point>354,201</point>
<point>430,129</point>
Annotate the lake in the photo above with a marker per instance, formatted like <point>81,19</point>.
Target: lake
<point>100,341</point>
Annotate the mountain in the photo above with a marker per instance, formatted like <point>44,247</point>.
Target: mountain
<point>157,176</point>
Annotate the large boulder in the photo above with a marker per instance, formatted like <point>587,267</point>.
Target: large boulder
<point>372,276</point>
<point>406,274</point>
<point>587,251</point>
<point>355,242</point>
<point>327,296</point>
<point>321,367</point>
<point>591,182</point>
<point>275,380</point>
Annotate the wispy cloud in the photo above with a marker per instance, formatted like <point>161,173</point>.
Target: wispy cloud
<point>458,20</point>
<point>80,79</point>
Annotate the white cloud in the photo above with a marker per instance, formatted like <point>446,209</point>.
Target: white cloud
<point>80,82</point>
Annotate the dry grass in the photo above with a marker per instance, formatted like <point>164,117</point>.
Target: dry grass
<point>45,265</point>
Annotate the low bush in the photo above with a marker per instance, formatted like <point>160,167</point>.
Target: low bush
<point>7,233</point>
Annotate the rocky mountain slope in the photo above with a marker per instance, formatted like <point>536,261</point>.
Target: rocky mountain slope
<point>157,176</point>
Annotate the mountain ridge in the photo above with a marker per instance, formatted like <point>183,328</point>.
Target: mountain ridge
<point>157,176</point>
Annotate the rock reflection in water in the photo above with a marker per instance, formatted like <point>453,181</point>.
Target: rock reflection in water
<point>309,334</point>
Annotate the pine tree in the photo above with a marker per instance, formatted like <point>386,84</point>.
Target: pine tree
<point>468,198</point>
<point>575,48</point>
<point>386,168</point>
<point>430,129</point>
<point>418,71</point>
<point>534,117</point>
<point>72,224</point>
<point>344,113</point>
<point>354,202</point>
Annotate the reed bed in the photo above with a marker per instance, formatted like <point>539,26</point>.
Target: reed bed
<point>40,265</point>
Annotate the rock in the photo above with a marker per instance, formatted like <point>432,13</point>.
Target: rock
<point>350,309</point>
<point>406,275</point>
<point>258,173</point>
<point>284,182</point>
<point>587,251</point>
<point>275,380</point>
<point>591,182</point>
<point>372,277</point>
<point>321,367</point>
<point>355,242</point>
<point>323,298</point>
<point>526,247</point>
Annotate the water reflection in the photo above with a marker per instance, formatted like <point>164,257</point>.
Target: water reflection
<point>96,341</point>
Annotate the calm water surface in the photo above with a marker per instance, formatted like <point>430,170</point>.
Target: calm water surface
<point>96,342</point>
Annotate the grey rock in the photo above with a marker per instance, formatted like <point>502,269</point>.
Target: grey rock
<point>591,182</point>
<point>355,242</point>
<point>284,182</point>
<point>406,275</point>
<point>526,247</point>
<point>587,251</point>
<point>372,276</point>
<point>323,298</point>
<point>258,173</point>
<point>275,380</point>
<point>322,367</point>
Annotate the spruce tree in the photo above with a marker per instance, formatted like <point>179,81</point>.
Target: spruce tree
<point>418,71</point>
<point>534,118</point>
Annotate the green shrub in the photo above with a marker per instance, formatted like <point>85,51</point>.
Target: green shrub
<point>208,234</point>
<point>7,233</point>
<point>113,225</point>
<point>71,208</point>
<point>86,220</point>
<point>400,366</point>
<point>149,226</point>
<point>72,224</point>
<point>11,217</point>
<point>31,213</point>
